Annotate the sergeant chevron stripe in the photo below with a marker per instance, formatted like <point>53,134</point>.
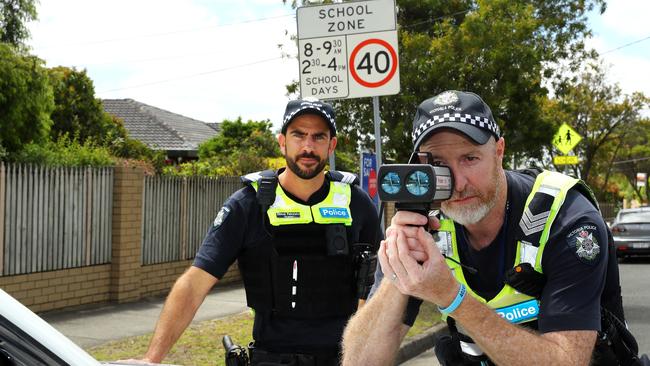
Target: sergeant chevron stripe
<point>531,224</point>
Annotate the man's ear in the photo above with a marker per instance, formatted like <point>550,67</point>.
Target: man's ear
<point>500,148</point>
<point>282,141</point>
<point>332,146</point>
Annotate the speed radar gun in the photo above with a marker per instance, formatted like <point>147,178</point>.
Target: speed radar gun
<point>418,186</point>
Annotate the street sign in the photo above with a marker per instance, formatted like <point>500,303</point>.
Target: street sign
<point>348,50</point>
<point>369,175</point>
<point>565,160</point>
<point>566,138</point>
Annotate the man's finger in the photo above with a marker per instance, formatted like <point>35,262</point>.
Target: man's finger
<point>406,218</point>
<point>383,260</point>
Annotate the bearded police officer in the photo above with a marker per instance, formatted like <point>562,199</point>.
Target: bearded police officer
<point>305,241</point>
<point>536,265</point>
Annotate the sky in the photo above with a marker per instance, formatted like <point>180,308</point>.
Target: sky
<point>221,59</point>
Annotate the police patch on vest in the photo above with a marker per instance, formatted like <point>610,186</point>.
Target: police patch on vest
<point>221,216</point>
<point>521,312</point>
<point>584,242</point>
<point>334,212</point>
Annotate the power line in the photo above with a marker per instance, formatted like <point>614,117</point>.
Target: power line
<point>191,76</point>
<point>431,20</point>
<point>626,45</point>
<point>631,160</point>
<point>162,34</point>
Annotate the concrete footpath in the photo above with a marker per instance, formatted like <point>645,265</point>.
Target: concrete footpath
<point>97,325</point>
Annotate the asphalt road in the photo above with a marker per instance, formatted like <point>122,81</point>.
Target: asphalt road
<point>635,278</point>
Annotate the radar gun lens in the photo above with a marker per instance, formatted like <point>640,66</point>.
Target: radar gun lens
<point>390,183</point>
<point>418,183</point>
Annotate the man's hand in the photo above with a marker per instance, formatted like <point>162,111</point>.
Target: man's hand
<point>410,257</point>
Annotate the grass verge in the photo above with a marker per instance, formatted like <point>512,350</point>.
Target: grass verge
<point>200,345</point>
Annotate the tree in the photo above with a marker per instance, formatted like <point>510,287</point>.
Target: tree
<point>13,16</point>
<point>634,157</point>
<point>501,49</point>
<point>25,99</point>
<point>254,136</point>
<point>77,112</point>
<point>609,122</point>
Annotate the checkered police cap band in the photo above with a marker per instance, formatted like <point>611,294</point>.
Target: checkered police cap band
<point>313,106</point>
<point>480,122</point>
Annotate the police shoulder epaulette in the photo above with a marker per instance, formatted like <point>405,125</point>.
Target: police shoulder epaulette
<point>254,177</point>
<point>343,177</point>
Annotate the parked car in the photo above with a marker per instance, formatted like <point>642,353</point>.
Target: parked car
<point>27,340</point>
<point>631,231</point>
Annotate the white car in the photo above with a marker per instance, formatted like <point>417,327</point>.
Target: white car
<point>28,340</point>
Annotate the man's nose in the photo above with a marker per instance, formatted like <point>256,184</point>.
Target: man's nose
<point>459,180</point>
<point>309,144</point>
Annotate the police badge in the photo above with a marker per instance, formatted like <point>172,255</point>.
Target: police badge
<point>583,241</point>
<point>221,216</point>
<point>445,98</point>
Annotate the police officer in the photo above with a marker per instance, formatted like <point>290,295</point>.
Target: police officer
<point>514,252</point>
<point>305,241</point>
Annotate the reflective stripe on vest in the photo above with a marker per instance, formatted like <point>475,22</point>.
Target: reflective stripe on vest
<point>509,303</point>
<point>334,209</point>
<point>557,186</point>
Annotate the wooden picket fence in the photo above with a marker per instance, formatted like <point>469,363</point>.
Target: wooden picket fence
<point>177,213</point>
<point>54,218</point>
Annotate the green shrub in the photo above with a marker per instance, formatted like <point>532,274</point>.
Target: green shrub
<point>65,152</point>
<point>3,152</point>
<point>127,148</point>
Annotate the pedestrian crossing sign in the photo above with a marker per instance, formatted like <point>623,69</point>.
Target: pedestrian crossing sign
<point>566,138</point>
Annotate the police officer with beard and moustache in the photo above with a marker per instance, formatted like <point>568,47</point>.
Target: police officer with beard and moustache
<point>520,265</point>
<point>305,241</point>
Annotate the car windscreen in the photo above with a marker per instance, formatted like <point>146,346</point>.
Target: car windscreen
<point>17,348</point>
<point>638,217</point>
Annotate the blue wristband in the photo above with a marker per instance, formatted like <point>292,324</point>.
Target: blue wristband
<point>462,291</point>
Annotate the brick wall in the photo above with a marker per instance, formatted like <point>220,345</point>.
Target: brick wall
<point>124,279</point>
<point>59,289</point>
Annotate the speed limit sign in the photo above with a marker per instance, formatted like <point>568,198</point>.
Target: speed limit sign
<point>348,50</point>
<point>373,64</point>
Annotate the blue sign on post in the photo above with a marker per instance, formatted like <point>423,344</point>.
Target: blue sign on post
<point>369,175</point>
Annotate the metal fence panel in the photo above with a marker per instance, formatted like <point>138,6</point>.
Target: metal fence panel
<point>54,218</point>
<point>177,212</point>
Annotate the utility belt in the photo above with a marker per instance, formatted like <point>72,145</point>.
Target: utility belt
<point>238,356</point>
<point>261,357</point>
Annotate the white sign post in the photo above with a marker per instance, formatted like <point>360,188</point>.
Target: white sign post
<point>348,50</point>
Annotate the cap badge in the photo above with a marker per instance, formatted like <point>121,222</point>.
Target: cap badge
<point>445,98</point>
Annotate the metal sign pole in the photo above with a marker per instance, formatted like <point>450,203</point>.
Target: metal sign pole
<point>377,120</point>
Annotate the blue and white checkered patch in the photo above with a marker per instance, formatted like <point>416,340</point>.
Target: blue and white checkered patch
<point>480,122</point>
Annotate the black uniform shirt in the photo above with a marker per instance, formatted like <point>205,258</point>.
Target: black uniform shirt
<point>239,226</point>
<point>574,260</point>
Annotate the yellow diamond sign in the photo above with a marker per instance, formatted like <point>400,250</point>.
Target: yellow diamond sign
<point>566,138</point>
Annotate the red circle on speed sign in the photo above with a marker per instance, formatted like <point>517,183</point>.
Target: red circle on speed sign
<point>393,68</point>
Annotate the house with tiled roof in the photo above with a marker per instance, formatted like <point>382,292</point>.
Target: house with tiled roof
<point>159,129</point>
